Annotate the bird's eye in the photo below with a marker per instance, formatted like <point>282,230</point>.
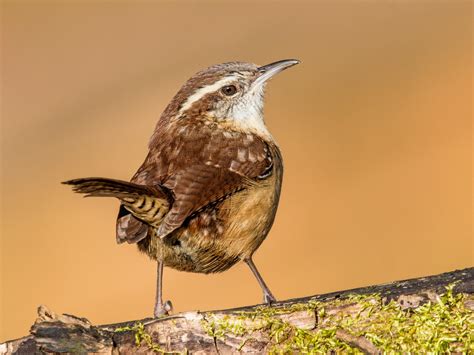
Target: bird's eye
<point>229,90</point>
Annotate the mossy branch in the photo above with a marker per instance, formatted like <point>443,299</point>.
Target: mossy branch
<point>430,314</point>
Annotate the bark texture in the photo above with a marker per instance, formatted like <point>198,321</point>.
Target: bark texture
<point>351,320</point>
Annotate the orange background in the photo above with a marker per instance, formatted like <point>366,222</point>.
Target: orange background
<point>374,125</point>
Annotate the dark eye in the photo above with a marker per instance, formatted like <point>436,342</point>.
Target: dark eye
<point>229,90</point>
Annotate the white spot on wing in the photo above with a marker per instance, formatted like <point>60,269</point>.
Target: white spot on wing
<point>241,155</point>
<point>228,134</point>
<point>234,165</point>
<point>252,157</point>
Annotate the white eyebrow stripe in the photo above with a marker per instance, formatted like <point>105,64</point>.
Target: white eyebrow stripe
<point>201,92</point>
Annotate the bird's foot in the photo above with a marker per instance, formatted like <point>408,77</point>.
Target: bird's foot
<point>268,298</point>
<point>163,309</point>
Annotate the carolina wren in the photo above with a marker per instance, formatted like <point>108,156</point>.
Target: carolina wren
<point>206,195</point>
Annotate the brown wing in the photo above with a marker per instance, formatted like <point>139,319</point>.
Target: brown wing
<point>201,165</point>
<point>196,187</point>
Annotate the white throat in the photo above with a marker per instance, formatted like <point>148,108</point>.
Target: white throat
<point>248,113</point>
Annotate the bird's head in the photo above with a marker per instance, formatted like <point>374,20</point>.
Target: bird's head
<point>230,93</point>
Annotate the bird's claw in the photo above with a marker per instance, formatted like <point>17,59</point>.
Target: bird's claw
<point>268,298</point>
<point>163,309</point>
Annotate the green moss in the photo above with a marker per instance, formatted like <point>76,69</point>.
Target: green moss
<point>446,325</point>
<point>143,338</point>
<point>443,326</point>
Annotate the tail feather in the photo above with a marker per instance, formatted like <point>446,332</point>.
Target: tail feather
<point>103,187</point>
<point>147,203</point>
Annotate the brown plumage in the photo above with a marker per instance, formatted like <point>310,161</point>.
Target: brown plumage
<point>207,193</point>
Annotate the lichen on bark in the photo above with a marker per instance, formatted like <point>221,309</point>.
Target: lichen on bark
<point>358,323</point>
<point>425,315</point>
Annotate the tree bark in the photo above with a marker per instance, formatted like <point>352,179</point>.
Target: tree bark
<point>346,320</point>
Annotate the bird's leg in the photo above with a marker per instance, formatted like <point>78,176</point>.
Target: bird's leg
<point>161,309</point>
<point>267,294</point>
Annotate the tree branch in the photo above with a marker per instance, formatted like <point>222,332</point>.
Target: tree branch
<point>426,314</point>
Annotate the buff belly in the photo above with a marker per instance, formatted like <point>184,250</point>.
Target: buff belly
<point>219,236</point>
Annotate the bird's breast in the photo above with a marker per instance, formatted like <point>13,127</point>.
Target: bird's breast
<point>221,235</point>
<point>249,217</point>
<point>217,237</point>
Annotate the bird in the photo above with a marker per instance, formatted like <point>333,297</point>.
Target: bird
<point>207,193</point>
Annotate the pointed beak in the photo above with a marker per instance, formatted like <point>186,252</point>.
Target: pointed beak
<point>269,70</point>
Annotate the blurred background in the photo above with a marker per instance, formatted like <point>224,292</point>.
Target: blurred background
<point>374,125</point>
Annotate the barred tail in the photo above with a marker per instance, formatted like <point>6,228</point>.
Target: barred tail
<point>103,187</point>
<point>147,203</point>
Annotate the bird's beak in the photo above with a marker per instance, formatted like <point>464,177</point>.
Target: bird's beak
<point>269,70</point>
